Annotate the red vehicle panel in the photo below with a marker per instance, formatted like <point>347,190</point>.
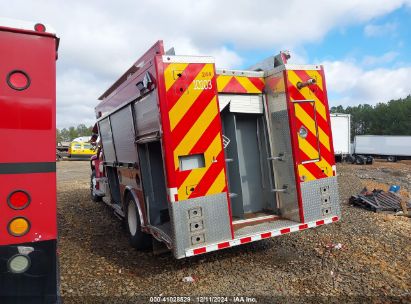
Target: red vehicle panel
<point>28,219</point>
<point>28,116</point>
<point>41,211</point>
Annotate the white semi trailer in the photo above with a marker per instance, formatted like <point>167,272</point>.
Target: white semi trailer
<point>341,130</point>
<point>390,147</point>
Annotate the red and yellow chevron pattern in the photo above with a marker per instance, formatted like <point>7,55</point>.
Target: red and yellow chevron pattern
<point>195,127</point>
<point>310,108</point>
<point>239,84</point>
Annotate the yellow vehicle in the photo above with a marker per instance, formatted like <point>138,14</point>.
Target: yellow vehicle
<point>82,150</point>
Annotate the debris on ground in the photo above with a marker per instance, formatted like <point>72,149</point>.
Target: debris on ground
<point>378,200</point>
<point>370,264</point>
<point>189,279</point>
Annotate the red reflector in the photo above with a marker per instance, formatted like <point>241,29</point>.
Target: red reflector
<point>318,223</point>
<point>223,245</point>
<point>18,80</point>
<point>40,28</point>
<point>285,230</point>
<point>200,250</point>
<point>265,235</point>
<point>18,199</point>
<point>245,240</point>
<point>303,226</point>
<point>335,218</point>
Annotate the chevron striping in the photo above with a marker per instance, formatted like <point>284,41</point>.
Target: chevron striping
<point>171,71</point>
<point>222,81</point>
<point>218,185</point>
<point>189,96</point>
<point>248,85</point>
<point>197,129</point>
<point>196,175</point>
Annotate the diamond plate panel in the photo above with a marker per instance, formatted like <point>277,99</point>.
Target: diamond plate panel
<point>214,218</point>
<point>320,198</point>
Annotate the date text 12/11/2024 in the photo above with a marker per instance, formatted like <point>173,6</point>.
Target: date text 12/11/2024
<point>203,299</point>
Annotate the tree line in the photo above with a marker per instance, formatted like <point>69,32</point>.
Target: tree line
<point>392,118</point>
<point>68,134</point>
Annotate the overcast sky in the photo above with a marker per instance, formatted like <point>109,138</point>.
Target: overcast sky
<point>365,45</point>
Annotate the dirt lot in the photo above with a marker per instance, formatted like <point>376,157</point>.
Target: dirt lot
<point>373,265</point>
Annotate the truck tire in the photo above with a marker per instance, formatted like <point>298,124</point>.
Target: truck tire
<point>94,197</point>
<point>360,160</point>
<point>392,159</point>
<point>138,239</point>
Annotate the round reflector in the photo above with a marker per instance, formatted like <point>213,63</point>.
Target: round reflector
<point>18,199</point>
<point>19,263</point>
<point>18,226</point>
<point>38,27</point>
<point>18,80</point>
<point>303,132</point>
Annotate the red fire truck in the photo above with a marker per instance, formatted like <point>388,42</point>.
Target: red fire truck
<point>28,228</point>
<point>204,159</point>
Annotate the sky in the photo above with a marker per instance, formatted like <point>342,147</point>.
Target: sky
<point>364,45</point>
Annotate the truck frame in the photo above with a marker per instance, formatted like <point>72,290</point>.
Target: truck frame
<point>204,159</point>
<point>28,219</point>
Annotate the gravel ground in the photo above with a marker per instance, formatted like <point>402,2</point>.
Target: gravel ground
<point>373,265</point>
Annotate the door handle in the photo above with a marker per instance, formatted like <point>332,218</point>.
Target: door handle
<point>283,189</point>
<point>280,157</point>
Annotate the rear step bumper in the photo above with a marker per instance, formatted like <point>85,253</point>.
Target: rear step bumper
<point>259,236</point>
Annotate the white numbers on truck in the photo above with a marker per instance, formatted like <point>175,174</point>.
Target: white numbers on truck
<point>202,85</point>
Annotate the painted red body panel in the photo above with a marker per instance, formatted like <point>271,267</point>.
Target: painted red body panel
<point>28,119</point>
<point>171,181</point>
<point>28,116</point>
<point>41,212</point>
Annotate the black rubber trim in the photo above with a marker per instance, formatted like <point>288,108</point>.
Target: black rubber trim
<point>25,205</point>
<point>21,168</point>
<point>16,88</point>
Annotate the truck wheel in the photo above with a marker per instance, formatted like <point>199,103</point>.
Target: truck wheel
<point>392,159</point>
<point>94,197</point>
<point>138,239</point>
<point>359,160</point>
<point>351,159</point>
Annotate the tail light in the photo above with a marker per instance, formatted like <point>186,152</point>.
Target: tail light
<point>39,27</point>
<point>18,226</point>
<point>18,199</point>
<point>18,80</point>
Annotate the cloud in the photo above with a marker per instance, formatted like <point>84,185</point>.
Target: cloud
<point>379,30</point>
<point>383,59</point>
<point>100,39</point>
<point>350,84</point>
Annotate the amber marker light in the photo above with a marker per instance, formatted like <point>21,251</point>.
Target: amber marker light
<point>18,226</point>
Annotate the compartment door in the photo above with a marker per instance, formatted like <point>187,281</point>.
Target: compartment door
<point>307,131</point>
